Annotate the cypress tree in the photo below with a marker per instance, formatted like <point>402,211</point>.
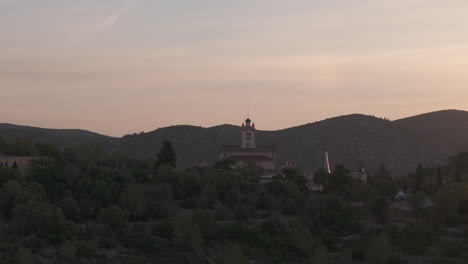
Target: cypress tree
<point>419,179</point>
<point>439,181</point>
<point>167,155</point>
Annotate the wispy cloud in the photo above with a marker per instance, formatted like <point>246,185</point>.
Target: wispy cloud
<point>114,17</point>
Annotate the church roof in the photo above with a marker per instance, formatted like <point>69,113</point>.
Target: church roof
<point>237,148</point>
<point>249,158</point>
<point>6,156</point>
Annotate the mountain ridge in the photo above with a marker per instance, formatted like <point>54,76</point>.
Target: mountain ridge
<point>353,139</point>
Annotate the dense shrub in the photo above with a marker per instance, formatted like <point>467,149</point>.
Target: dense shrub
<point>242,212</point>
<point>331,213</point>
<point>285,190</point>
<point>379,250</point>
<point>164,229</point>
<point>301,238</point>
<point>414,239</point>
<point>384,186</point>
<point>273,227</point>
<point>206,223</point>
<point>243,233</point>
<point>363,193</point>
<point>113,216</point>
<point>290,207</point>
<point>32,242</point>
<point>233,254</point>
<point>187,233</point>
<point>44,220</point>
<point>379,208</point>
<point>67,250</point>
<point>222,212</point>
<point>86,250</point>
<point>25,256</point>
<point>320,255</point>
<point>70,208</point>
<point>133,199</point>
<point>161,210</point>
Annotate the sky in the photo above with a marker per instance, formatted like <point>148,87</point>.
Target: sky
<point>124,66</point>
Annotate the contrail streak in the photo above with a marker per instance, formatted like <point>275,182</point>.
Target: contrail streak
<point>111,19</point>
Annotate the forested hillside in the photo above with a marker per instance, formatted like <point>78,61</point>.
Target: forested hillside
<point>351,140</point>
<point>58,137</point>
<point>86,205</point>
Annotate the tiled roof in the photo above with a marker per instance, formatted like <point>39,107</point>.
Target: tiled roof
<point>248,158</point>
<point>237,148</point>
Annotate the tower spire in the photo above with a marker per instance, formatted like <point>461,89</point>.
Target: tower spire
<point>327,163</point>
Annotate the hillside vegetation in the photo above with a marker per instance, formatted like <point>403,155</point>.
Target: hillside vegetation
<point>354,139</point>
<point>85,205</point>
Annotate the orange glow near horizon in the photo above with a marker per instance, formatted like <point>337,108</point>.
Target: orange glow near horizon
<point>119,67</point>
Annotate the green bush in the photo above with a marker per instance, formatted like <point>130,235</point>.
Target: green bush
<point>44,220</point>
<point>290,207</point>
<point>416,201</point>
<point>363,193</point>
<point>379,250</point>
<point>414,239</point>
<point>233,254</point>
<point>345,256</point>
<point>450,203</point>
<point>243,233</point>
<point>161,210</point>
<point>164,229</point>
<point>358,248</point>
<point>147,244</point>
<point>243,212</point>
<point>452,250</point>
<point>67,250</point>
<point>32,242</point>
<point>107,243</point>
<point>25,256</point>
<point>70,208</point>
<point>320,255</point>
<point>273,227</point>
<point>302,239</point>
<point>206,223</point>
<point>187,233</point>
<point>113,216</point>
<point>379,208</point>
<point>385,187</point>
<point>133,199</point>
<point>330,213</point>
<point>285,189</point>
<point>222,212</point>
<point>86,250</point>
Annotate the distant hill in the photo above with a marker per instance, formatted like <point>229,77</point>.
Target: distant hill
<point>438,134</point>
<point>351,140</point>
<point>59,137</point>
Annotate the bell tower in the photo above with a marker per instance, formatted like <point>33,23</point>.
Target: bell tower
<point>248,135</point>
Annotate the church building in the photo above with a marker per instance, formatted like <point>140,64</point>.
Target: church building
<point>25,165</point>
<point>248,150</point>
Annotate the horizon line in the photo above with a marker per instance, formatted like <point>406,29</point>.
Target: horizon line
<point>227,124</point>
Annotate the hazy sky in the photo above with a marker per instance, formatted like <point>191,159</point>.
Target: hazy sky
<point>124,66</point>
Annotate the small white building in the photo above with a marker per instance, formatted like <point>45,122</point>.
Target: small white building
<point>24,164</point>
<point>248,150</point>
<point>361,175</point>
